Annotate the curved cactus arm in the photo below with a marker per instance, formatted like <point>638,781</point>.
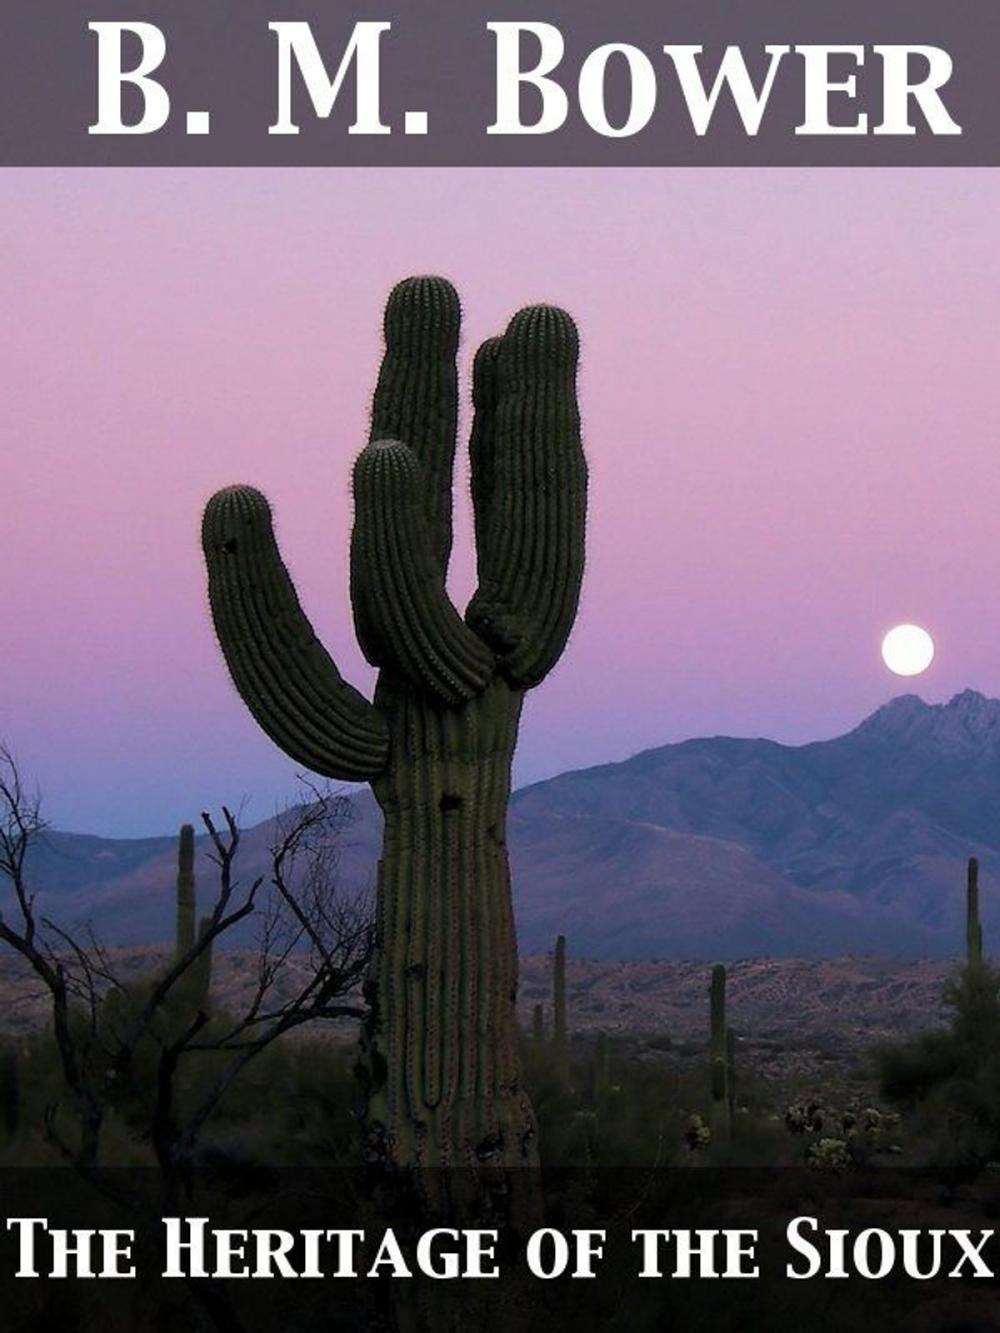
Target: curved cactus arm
<point>530,492</point>
<point>416,399</point>
<point>404,619</point>
<point>285,675</point>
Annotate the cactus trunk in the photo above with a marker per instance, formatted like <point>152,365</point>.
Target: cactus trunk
<point>973,926</point>
<point>441,1036</point>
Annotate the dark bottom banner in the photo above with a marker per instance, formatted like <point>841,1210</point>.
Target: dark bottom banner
<point>325,1249</point>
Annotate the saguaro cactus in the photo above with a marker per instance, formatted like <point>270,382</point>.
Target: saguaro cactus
<point>720,1054</point>
<point>436,743</point>
<point>185,891</point>
<point>973,926</point>
<point>198,980</point>
<point>560,1030</point>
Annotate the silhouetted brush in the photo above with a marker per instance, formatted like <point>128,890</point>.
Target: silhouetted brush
<point>201,968</point>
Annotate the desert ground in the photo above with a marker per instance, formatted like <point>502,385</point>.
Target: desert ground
<point>801,1024</point>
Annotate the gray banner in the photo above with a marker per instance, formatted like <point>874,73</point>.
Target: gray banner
<point>439,59</point>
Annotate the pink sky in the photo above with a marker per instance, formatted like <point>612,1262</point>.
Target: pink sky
<point>789,384</point>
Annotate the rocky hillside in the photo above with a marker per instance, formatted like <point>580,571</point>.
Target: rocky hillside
<point>803,1026</point>
<point>873,828</point>
<point>713,848</point>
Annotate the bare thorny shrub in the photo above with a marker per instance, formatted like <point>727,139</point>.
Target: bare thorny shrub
<point>313,945</point>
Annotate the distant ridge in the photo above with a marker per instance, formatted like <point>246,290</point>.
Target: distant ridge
<point>968,720</point>
<point>718,847</point>
<point>884,816</point>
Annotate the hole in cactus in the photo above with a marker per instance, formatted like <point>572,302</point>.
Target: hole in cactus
<point>493,1143</point>
<point>229,547</point>
<point>450,802</point>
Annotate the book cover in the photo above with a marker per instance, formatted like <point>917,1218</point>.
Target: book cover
<point>500,718</point>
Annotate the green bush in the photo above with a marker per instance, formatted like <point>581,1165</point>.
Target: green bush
<point>948,1081</point>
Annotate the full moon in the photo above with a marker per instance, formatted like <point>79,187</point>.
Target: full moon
<point>907,650</point>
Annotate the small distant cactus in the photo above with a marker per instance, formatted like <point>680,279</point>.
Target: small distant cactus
<point>184,935</point>
<point>973,925</point>
<point>560,1029</point>
<point>721,1117</point>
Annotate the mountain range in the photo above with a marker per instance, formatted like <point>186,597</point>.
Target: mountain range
<point>712,848</point>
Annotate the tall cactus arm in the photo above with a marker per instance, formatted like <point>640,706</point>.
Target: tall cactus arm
<point>482,444</point>
<point>530,493</point>
<point>403,616</point>
<point>285,675</point>
<point>416,400</point>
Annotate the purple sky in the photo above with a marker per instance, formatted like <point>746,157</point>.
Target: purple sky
<point>789,384</point>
